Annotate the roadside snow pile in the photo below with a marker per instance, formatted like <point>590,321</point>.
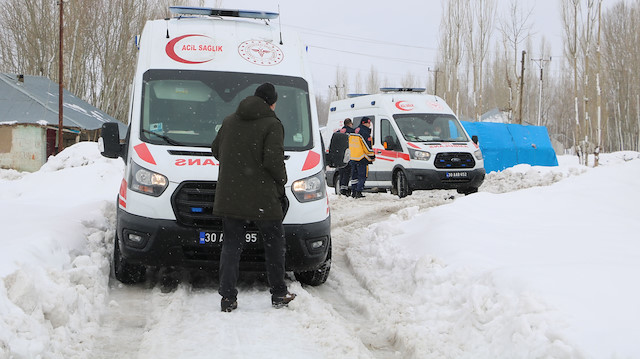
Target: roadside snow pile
<point>526,176</point>
<point>56,242</point>
<point>538,272</point>
<point>447,312</point>
<point>80,154</point>
<point>10,175</point>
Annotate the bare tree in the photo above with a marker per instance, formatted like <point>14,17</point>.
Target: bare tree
<point>373,81</point>
<point>570,10</point>
<point>621,85</point>
<point>453,26</point>
<point>409,80</point>
<point>515,29</point>
<point>480,16</point>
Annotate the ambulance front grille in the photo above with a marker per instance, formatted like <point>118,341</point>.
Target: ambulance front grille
<point>446,160</point>
<point>193,205</point>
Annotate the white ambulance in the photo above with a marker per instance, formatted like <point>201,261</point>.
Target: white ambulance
<point>417,140</point>
<point>193,70</point>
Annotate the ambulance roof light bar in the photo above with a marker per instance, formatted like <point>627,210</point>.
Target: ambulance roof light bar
<point>402,89</point>
<point>208,11</point>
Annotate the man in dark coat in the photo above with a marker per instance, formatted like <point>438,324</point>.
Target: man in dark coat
<point>250,189</point>
<point>359,171</point>
<point>345,172</point>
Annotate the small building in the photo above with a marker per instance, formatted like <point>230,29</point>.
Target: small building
<point>29,121</point>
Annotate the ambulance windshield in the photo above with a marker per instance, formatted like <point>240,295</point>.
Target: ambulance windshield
<point>427,127</point>
<point>186,108</point>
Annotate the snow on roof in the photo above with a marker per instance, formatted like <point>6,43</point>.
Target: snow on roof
<point>35,101</point>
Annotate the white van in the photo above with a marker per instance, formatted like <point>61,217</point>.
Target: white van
<point>418,142</point>
<point>193,70</point>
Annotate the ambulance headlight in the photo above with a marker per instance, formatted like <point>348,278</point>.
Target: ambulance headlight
<point>419,155</point>
<point>310,188</point>
<point>144,181</point>
<point>478,155</point>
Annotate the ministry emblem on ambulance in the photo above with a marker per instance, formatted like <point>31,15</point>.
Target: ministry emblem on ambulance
<point>261,52</point>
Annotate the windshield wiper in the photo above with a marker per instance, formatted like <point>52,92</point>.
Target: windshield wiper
<point>167,139</point>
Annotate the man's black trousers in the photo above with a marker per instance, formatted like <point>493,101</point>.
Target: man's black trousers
<point>232,245</point>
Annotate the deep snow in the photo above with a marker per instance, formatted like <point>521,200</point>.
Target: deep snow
<point>542,262</point>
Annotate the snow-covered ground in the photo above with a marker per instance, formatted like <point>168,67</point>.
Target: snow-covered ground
<point>542,262</point>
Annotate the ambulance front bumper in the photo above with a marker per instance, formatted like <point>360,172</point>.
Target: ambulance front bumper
<point>161,243</point>
<point>439,179</point>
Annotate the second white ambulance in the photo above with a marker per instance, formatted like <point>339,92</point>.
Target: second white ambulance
<point>418,142</point>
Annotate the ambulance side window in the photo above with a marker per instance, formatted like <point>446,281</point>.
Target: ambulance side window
<point>388,136</point>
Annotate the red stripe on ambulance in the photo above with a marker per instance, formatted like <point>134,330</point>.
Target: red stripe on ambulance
<point>143,152</point>
<point>313,159</point>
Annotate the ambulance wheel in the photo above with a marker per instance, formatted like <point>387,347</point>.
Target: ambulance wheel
<point>401,185</point>
<point>467,191</point>
<point>318,276</point>
<point>124,271</point>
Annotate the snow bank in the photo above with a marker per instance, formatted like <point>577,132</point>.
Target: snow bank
<point>541,272</point>
<point>58,226</point>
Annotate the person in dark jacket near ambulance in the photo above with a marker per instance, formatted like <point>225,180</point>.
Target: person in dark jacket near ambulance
<point>250,189</point>
<point>345,172</point>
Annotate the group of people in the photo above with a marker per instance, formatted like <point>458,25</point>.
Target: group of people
<point>354,174</point>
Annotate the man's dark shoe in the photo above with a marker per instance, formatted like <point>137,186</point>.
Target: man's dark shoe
<point>343,192</point>
<point>358,195</point>
<point>279,301</point>
<point>228,304</point>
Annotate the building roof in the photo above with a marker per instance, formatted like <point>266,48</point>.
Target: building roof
<point>35,101</point>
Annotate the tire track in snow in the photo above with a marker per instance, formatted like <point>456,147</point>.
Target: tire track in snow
<point>348,294</point>
<point>124,322</point>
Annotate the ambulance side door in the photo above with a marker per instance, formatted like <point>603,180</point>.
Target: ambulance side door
<point>387,151</point>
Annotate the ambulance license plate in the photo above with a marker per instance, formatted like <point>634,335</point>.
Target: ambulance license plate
<point>453,175</point>
<point>217,237</point>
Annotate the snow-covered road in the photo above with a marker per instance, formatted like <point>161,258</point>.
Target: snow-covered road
<point>389,295</point>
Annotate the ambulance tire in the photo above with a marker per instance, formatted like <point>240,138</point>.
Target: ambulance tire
<point>318,276</point>
<point>467,191</point>
<point>124,271</point>
<point>401,185</point>
<point>336,182</point>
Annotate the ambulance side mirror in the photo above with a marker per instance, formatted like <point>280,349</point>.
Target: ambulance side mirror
<point>109,142</point>
<point>474,138</point>
<point>338,147</point>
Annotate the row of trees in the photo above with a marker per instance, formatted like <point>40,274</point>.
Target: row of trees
<point>99,48</point>
<point>484,62</point>
<point>488,61</point>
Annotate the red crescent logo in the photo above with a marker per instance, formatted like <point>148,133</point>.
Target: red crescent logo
<point>404,106</point>
<point>199,53</point>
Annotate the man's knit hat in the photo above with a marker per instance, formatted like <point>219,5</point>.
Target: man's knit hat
<point>267,92</point>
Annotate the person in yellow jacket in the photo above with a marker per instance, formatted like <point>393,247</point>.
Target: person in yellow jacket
<point>361,156</point>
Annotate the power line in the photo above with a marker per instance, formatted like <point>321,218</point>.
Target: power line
<point>358,69</point>
<point>359,39</point>
<point>398,59</point>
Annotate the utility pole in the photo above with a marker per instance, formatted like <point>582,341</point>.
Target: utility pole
<point>336,87</point>
<point>524,53</point>
<point>435,86</point>
<point>60,80</point>
<point>540,63</point>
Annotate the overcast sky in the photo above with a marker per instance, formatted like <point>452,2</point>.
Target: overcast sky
<point>396,37</point>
